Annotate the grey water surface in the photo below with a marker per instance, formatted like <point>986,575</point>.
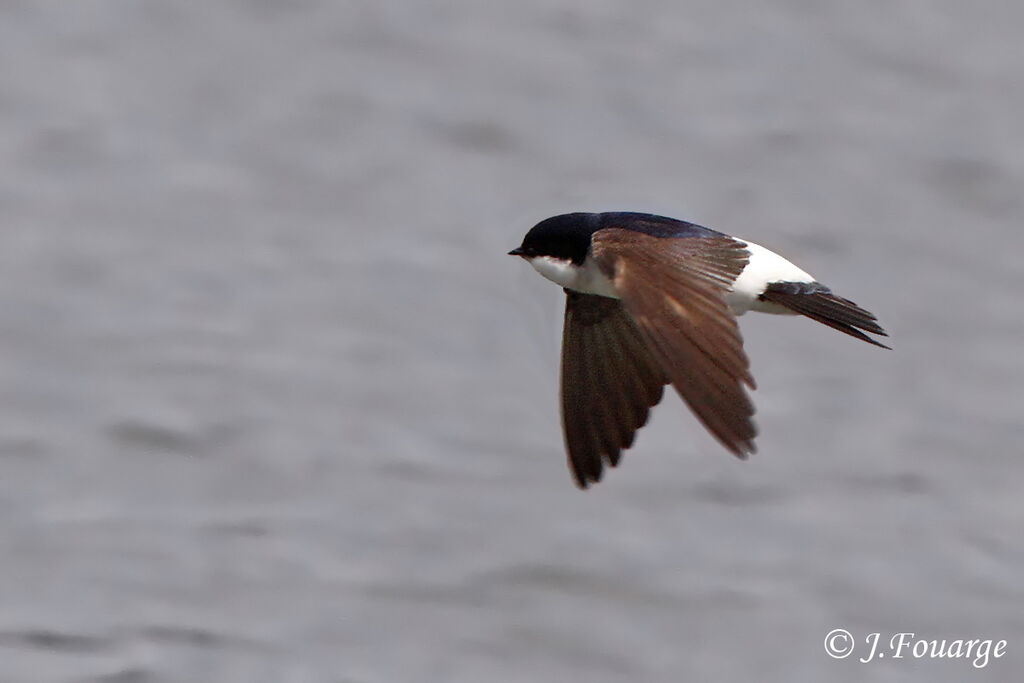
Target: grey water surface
<point>276,406</point>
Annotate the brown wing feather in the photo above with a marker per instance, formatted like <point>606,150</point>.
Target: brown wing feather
<point>609,382</point>
<point>674,291</point>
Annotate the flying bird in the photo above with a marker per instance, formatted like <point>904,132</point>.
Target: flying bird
<point>652,301</point>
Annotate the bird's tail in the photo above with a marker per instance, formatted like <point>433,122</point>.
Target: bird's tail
<point>817,302</point>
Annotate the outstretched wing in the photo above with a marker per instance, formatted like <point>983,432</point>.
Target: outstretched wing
<point>609,382</point>
<point>673,289</point>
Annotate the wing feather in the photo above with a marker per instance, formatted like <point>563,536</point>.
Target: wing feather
<point>674,291</point>
<point>609,382</point>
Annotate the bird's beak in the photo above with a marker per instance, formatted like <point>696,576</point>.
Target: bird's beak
<point>516,252</point>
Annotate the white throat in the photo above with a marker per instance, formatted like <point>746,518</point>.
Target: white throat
<point>587,278</point>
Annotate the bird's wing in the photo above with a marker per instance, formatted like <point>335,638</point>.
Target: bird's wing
<point>674,291</point>
<point>609,382</point>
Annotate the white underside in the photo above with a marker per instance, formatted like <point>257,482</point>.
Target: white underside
<point>587,278</point>
<point>764,267</point>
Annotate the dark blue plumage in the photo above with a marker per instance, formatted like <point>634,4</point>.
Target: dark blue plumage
<point>568,235</point>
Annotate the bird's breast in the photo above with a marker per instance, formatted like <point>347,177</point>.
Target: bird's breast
<point>587,278</point>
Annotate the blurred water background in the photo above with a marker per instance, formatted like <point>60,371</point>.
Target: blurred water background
<point>277,407</point>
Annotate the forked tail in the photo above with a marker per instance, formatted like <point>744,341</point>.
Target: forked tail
<point>817,302</point>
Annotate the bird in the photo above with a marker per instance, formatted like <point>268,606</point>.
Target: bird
<point>652,301</point>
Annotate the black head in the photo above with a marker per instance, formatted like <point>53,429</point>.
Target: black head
<point>566,237</point>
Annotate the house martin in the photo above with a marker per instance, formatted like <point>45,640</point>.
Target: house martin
<point>652,301</point>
